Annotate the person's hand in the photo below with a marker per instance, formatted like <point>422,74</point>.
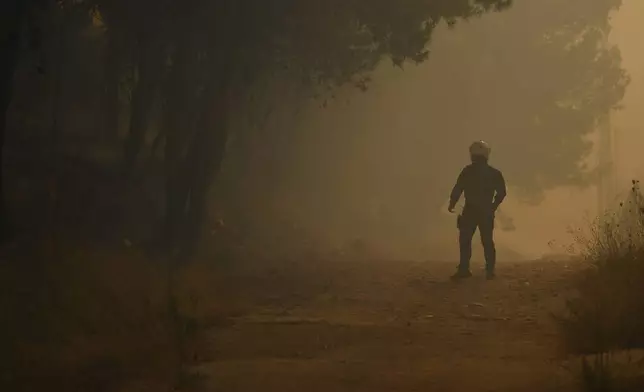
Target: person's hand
<point>450,209</point>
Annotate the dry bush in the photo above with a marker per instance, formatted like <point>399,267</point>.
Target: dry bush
<point>76,319</point>
<point>606,315</point>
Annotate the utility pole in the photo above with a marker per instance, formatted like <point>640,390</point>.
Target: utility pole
<point>606,165</point>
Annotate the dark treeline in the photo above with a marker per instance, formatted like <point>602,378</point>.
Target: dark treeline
<point>149,99</point>
<point>171,74</point>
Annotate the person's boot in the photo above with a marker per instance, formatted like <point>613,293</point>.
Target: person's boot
<point>490,275</point>
<point>461,274</point>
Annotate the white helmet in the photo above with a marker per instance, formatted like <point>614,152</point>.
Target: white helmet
<point>480,148</point>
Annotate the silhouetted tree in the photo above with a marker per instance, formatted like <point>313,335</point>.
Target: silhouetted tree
<point>219,48</point>
<point>16,16</point>
<point>201,58</point>
<point>538,81</point>
<point>533,81</point>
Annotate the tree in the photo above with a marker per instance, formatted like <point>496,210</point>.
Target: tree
<point>532,81</point>
<point>203,58</point>
<point>15,16</point>
<point>219,49</point>
<point>552,76</point>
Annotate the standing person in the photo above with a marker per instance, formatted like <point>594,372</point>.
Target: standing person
<point>484,188</point>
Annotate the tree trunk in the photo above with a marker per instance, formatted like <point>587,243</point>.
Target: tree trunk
<point>150,66</point>
<point>178,131</point>
<point>9,51</point>
<point>113,68</point>
<point>205,158</point>
<point>193,155</point>
<point>197,127</point>
<point>58,98</point>
<point>6,78</point>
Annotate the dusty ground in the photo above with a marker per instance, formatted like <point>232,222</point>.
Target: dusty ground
<point>390,326</point>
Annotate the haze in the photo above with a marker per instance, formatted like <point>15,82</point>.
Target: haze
<point>251,195</point>
<point>368,167</point>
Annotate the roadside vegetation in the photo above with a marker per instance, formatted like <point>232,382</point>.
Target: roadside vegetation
<point>604,323</point>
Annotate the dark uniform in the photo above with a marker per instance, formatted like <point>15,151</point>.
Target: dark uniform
<point>484,188</point>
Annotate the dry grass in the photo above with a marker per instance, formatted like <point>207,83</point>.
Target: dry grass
<point>78,319</point>
<point>80,311</point>
<point>606,316</point>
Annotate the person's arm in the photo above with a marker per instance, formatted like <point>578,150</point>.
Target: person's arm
<point>500,190</point>
<point>457,190</point>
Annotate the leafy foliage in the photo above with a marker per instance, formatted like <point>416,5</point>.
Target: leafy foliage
<point>539,117</point>
<point>219,49</point>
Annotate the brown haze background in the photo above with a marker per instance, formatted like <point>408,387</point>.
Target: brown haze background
<point>305,263</point>
<point>365,170</point>
<point>348,153</point>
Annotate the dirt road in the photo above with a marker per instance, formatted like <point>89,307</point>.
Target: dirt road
<point>390,326</point>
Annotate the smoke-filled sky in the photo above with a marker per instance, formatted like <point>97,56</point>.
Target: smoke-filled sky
<point>384,153</point>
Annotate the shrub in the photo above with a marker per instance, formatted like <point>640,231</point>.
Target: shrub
<point>606,314</point>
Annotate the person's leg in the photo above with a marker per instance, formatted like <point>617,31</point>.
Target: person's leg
<point>486,229</point>
<point>466,231</point>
